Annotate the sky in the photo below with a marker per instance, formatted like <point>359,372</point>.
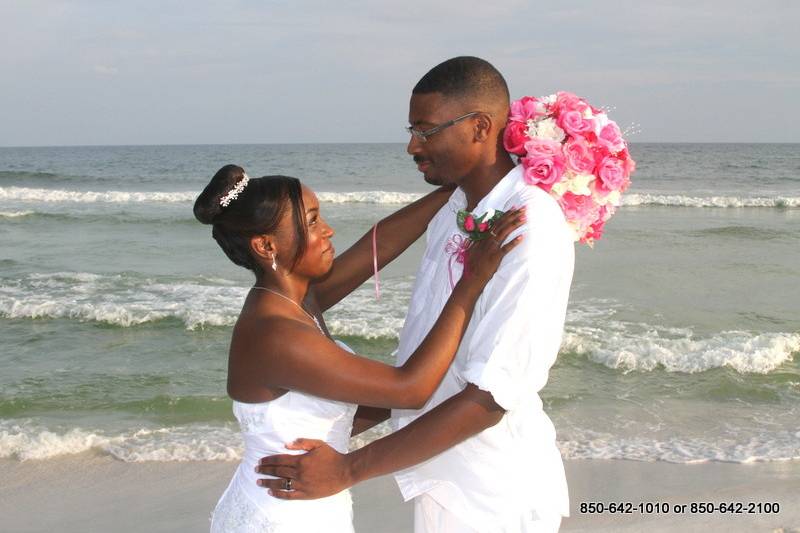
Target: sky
<point>96,72</point>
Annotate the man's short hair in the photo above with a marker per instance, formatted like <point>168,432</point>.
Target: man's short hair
<point>465,77</point>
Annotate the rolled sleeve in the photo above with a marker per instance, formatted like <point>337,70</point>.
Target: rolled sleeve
<point>524,306</point>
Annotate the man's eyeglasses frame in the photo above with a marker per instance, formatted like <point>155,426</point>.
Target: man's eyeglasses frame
<point>422,136</point>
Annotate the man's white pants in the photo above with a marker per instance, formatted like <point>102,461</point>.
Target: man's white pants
<point>430,517</point>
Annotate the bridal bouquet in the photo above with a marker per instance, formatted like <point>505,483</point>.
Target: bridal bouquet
<point>576,153</point>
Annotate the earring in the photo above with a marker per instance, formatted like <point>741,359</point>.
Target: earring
<point>274,264</point>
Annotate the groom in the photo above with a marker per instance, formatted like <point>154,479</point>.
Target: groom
<point>481,455</point>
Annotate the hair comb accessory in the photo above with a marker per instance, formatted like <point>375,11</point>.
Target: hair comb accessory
<point>234,193</point>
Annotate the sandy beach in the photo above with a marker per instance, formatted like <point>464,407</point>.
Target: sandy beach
<point>90,493</point>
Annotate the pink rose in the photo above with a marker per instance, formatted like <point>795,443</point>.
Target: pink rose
<point>594,232</point>
<point>515,136</point>
<point>574,123</point>
<point>469,223</point>
<point>599,190</point>
<point>611,172</point>
<point>566,102</point>
<point>630,167</point>
<point>579,208</point>
<point>542,148</point>
<point>579,156</point>
<point>543,171</point>
<point>600,152</point>
<point>526,108</point>
<point>483,226</point>
<point>627,162</point>
<point>611,138</point>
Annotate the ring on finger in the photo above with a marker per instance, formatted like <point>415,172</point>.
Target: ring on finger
<point>493,234</point>
<point>287,484</point>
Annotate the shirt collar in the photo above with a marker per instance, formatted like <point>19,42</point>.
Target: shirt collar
<point>496,198</point>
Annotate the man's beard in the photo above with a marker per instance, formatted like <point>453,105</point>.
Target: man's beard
<point>434,180</point>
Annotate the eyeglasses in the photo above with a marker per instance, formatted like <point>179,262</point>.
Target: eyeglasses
<point>423,135</point>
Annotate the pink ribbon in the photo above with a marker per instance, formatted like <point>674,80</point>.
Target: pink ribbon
<point>375,261</point>
<point>456,248</point>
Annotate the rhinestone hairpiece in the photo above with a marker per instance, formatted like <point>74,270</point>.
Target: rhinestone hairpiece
<point>234,193</point>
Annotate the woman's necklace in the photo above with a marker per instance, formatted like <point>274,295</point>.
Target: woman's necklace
<point>309,315</point>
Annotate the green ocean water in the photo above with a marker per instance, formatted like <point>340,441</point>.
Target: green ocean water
<point>682,341</point>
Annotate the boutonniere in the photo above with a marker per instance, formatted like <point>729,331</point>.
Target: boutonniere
<point>477,227</point>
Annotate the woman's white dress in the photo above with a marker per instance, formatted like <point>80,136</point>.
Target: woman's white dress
<point>267,428</point>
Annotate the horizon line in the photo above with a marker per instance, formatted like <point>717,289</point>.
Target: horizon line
<point>129,145</point>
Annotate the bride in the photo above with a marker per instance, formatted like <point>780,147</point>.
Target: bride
<point>286,376</point>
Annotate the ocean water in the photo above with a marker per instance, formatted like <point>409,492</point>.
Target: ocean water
<point>682,340</point>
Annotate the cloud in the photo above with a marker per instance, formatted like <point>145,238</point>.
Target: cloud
<point>105,70</point>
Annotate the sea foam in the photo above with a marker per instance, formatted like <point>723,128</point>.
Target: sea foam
<point>587,444</point>
<point>591,329</point>
<point>15,214</point>
<point>119,300</point>
<point>361,314</point>
<point>368,197</point>
<point>709,201</point>
<point>763,447</point>
<point>644,347</point>
<point>50,196</point>
<point>127,301</point>
<point>26,440</point>
<point>27,194</point>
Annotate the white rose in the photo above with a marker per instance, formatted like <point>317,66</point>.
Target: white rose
<point>559,188</point>
<point>613,198</point>
<point>600,122</point>
<point>580,184</point>
<point>532,129</point>
<point>546,128</point>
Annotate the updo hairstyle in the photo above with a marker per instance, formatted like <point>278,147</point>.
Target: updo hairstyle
<point>258,209</point>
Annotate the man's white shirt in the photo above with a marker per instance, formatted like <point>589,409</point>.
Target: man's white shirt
<point>513,470</point>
